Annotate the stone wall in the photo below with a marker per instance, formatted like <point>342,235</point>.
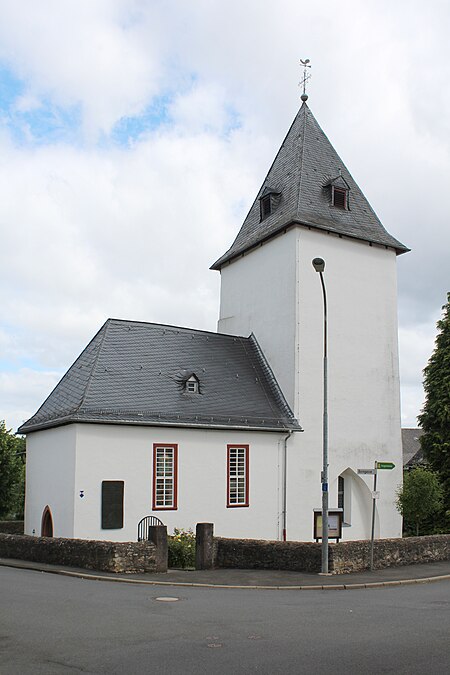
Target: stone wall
<point>354,556</point>
<point>11,526</point>
<point>344,557</point>
<point>104,556</point>
<point>267,555</point>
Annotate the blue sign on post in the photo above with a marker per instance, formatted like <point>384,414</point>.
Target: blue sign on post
<point>324,487</point>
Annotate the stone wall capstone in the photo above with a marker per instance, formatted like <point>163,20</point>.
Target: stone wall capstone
<point>104,556</point>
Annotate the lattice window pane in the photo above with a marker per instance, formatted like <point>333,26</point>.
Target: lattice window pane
<point>164,479</point>
<point>237,476</point>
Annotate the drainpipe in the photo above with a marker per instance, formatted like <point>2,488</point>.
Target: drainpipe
<point>285,440</point>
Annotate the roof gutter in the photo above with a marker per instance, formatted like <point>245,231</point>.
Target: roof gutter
<point>294,222</point>
<point>183,425</point>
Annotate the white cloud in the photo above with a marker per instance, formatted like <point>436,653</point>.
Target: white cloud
<point>19,392</point>
<point>91,230</point>
<point>92,54</point>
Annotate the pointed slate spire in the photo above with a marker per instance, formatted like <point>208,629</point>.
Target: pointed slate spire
<point>303,174</point>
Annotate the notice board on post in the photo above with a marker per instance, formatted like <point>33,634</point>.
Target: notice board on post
<point>334,524</point>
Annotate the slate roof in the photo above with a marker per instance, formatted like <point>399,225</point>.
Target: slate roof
<point>134,373</point>
<point>305,165</point>
<point>412,450</point>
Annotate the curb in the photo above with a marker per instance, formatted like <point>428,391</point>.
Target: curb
<point>311,587</point>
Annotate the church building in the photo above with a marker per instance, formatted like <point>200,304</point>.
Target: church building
<point>226,427</point>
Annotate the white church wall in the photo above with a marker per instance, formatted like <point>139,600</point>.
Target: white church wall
<point>364,408</point>
<point>107,452</point>
<point>50,470</point>
<point>258,294</point>
<point>363,377</point>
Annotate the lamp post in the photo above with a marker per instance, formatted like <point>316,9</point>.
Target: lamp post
<point>319,266</point>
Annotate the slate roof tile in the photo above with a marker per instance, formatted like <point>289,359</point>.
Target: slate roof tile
<point>412,450</point>
<point>134,372</point>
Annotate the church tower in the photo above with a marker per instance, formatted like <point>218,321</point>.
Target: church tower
<point>310,206</point>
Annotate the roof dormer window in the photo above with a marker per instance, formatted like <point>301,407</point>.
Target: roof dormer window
<point>268,202</point>
<point>192,385</point>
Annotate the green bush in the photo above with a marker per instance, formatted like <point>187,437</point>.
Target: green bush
<point>182,548</point>
<point>419,500</point>
<point>12,473</point>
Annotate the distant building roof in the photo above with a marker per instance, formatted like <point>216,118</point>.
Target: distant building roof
<point>412,451</point>
<point>135,373</point>
<point>303,172</point>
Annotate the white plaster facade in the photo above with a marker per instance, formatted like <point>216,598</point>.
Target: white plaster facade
<point>64,462</point>
<point>275,292</point>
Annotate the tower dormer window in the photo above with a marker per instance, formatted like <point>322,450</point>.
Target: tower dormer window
<point>339,198</point>
<point>192,385</point>
<point>268,202</point>
<point>266,207</point>
<point>338,192</point>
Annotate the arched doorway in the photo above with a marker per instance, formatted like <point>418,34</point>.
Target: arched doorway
<point>47,523</point>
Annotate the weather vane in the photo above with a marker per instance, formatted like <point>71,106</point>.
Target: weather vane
<point>306,77</point>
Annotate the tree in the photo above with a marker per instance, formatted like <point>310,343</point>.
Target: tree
<point>12,450</point>
<point>435,416</point>
<point>420,497</point>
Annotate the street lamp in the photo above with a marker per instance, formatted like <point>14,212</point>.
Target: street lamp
<point>319,266</point>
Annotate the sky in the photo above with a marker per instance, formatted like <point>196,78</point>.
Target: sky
<point>134,136</point>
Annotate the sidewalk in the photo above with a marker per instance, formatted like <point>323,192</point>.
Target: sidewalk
<point>257,579</point>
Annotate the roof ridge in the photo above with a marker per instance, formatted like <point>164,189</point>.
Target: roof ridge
<point>272,380</point>
<point>61,380</point>
<point>256,346</point>
<point>94,365</point>
<point>178,328</point>
<point>302,152</point>
<point>213,266</point>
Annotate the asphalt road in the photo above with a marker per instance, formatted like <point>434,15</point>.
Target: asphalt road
<point>53,624</point>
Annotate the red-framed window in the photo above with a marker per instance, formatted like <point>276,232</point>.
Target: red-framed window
<point>237,475</point>
<point>165,476</point>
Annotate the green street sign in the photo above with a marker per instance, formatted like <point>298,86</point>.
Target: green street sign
<point>385,465</point>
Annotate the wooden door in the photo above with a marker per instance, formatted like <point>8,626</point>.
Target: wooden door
<point>47,523</point>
